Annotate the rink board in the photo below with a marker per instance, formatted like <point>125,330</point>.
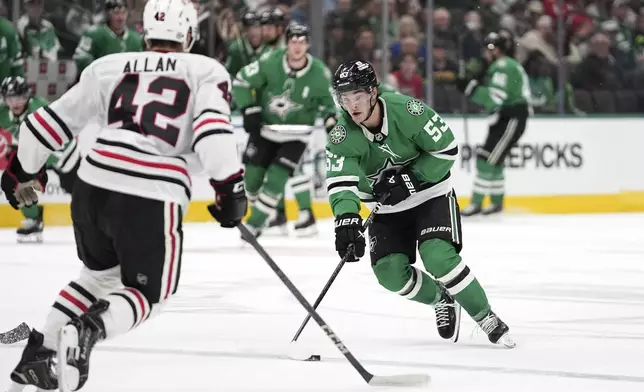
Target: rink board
<point>580,165</point>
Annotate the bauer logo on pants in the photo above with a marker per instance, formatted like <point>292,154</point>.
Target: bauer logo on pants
<point>338,134</point>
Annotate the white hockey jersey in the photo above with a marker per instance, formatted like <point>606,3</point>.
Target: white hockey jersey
<point>152,107</point>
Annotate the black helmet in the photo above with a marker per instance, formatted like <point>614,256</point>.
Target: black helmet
<point>111,5</point>
<point>274,17</point>
<point>502,40</point>
<point>13,86</point>
<point>354,75</point>
<point>250,19</point>
<point>296,30</point>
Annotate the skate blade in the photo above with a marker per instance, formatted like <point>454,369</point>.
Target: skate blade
<point>506,341</point>
<point>310,231</point>
<point>30,239</point>
<point>457,330</point>
<point>68,376</point>
<point>276,231</point>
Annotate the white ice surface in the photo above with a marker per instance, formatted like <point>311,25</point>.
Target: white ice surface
<point>570,287</point>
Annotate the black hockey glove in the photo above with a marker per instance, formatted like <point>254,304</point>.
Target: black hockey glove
<point>398,184</point>
<point>467,86</point>
<point>348,231</point>
<point>230,200</point>
<point>20,187</point>
<point>252,119</point>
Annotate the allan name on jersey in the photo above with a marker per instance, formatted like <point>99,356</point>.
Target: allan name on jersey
<point>162,64</point>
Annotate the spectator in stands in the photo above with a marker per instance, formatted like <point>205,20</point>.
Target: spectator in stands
<point>444,32</point>
<point>408,80</point>
<point>364,46</point>
<point>472,40</point>
<point>598,70</point>
<point>407,27</point>
<point>490,17</point>
<point>336,46</point>
<point>445,69</point>
<point>39,40</point>
<point>544,40</point>
<point>621,40</point>
<point>638,42</point>
<point>11,56</point>
<point>209,40</point>
<point>581,29</point>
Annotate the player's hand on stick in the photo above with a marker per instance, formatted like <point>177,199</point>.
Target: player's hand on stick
<point>252,119</point>
<point>399,184</point>
<point>20,187</point>
<point>348,231</point>
<point>230,201</point>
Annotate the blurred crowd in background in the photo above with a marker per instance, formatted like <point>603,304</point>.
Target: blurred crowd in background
<point>602,41</point>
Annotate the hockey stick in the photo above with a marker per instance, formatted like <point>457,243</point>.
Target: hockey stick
<point>397,380</point>
<point>15,335</point>
<point>328,284</point>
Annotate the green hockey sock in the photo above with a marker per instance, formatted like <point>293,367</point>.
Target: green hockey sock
<point>281,206</point>
<point>31,212</point>
<point>301,186</point>
<point>498,193</point>
<point>483,182</point>
<point>253,180</point>
<point>269,196</point>
<point>442,261</point>
<point>396,274</point>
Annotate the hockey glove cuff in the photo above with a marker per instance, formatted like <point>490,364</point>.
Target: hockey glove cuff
<point>348,231</point>
<point>252,119</point>
<point>467,86</point>
<point>399,185</point>
<point>20,187</point>
<point>230,200</point>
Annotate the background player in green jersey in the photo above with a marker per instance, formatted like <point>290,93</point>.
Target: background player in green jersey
<point>11,56</point>
<point>113,36</point>
<point>273,29</point>
<point>505,92</point>
<point>18,103</point>
<point>395,146</point>
<point>248,47</point>
<point>293,88</point>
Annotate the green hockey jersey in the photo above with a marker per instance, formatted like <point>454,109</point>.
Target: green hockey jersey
<point>11,59</point>
<point>100,40</point>
<point>11,123</point>
<point>241,53</point>
<point>287,97</point>
<point>40,41</point>
<point>412,134</point>
<point>507,85</point>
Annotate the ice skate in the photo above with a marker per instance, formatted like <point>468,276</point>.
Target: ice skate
<point>306,225</point>
<point>36,367</point>
<point>471,210</point>
<point>492,209</point>
<point>31,229</point>
<point>277,226</point>
<point>497,331</point>
<point>448,317</point>
<point>77,339</point>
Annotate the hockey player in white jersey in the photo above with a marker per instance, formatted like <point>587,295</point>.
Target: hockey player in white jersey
<point>132,189</point>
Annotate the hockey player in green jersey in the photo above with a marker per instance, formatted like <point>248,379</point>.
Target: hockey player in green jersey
<point>293,88</point>
<point>18,103</point>
<point>506,94</point>
<point>111,37</point>
<point>11,56</point>
<point>247,48</point>
<point>394,146</point>
<point>273,29</point>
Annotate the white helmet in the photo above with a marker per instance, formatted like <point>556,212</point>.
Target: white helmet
<point>171,20</point>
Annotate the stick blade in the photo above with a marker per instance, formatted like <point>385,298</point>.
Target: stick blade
<point>299,353</point>
<point>402,380</point>
<point>17,334</point>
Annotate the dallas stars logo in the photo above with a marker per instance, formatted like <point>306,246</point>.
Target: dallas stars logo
<point>415,107</point>
<point>281,105</point>
<point>388,164</point>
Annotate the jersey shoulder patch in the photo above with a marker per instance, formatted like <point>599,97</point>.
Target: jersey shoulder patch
<point>415,107</point>
<point>338,134</point>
